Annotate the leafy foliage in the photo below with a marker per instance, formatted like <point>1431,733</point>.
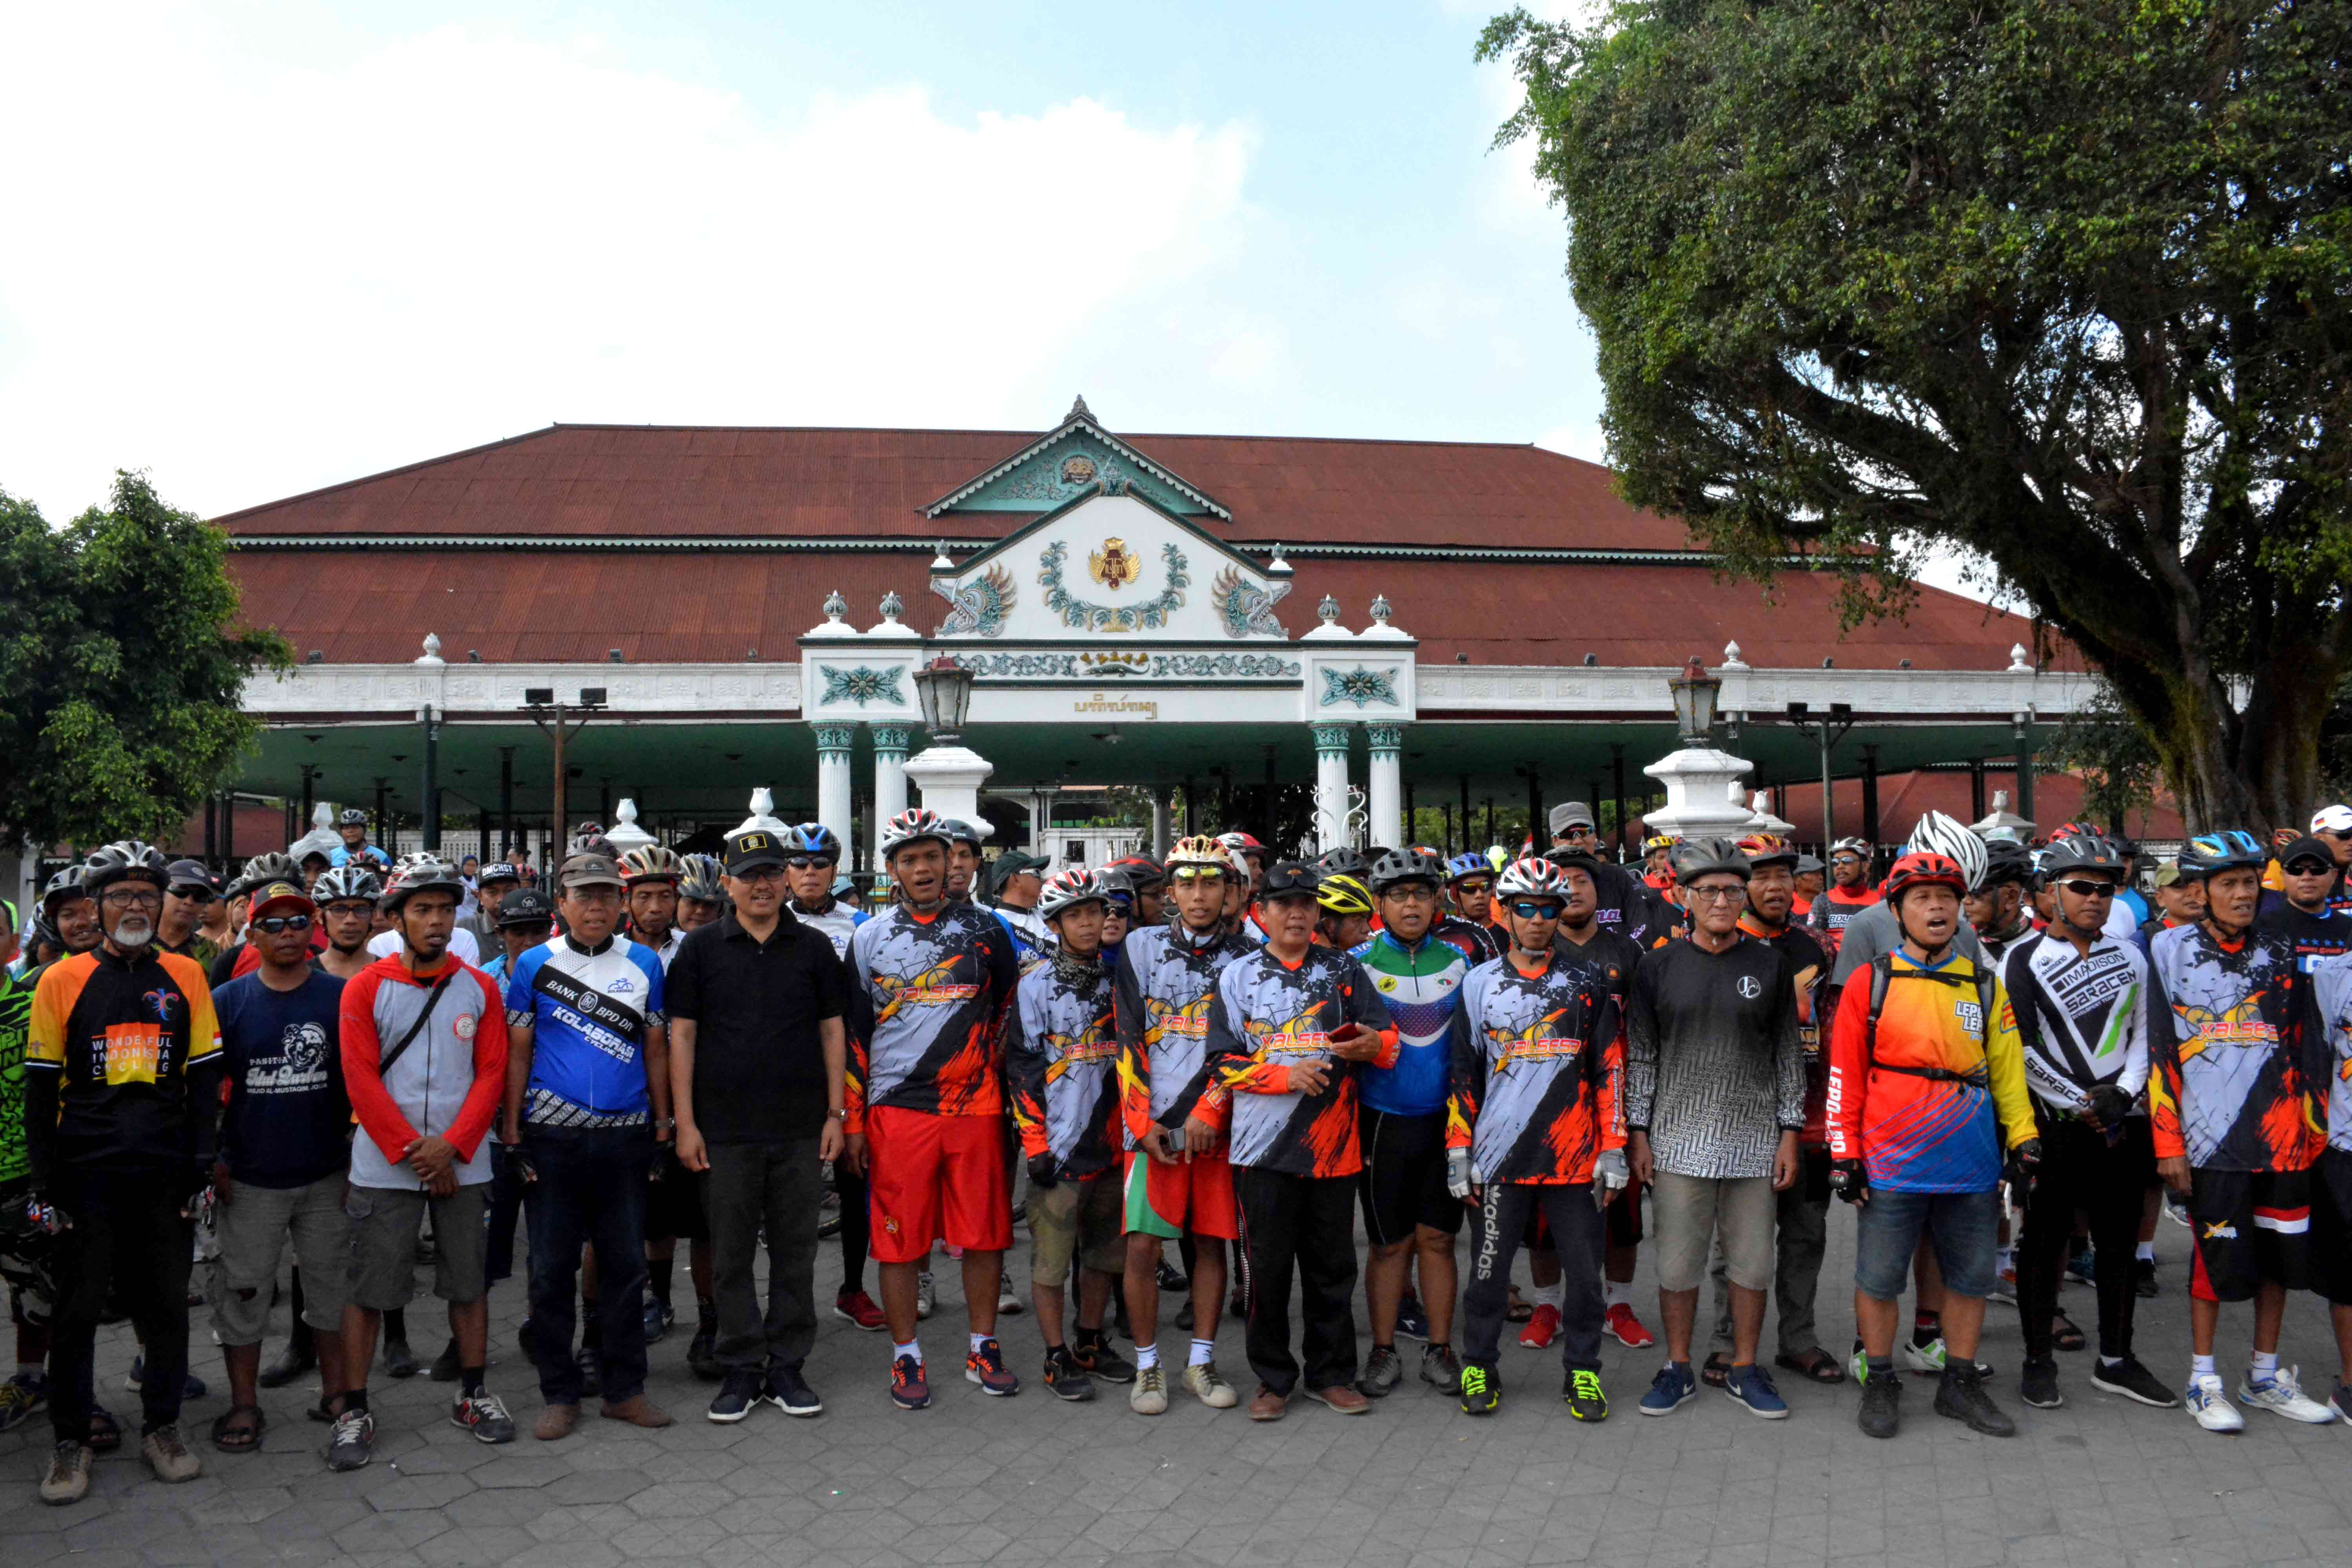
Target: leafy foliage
<point>2066,283</point>
<point>119,686</point>
<point>2117,763</point>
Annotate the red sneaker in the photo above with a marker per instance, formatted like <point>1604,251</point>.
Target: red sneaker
<point>985,1367</point>
<point>910,1389</point>
<point>858,1308</point>
<point>1541,1327</point>
<point>1628,1328</point>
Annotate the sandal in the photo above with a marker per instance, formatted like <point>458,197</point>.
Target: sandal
<point>1518,1311</point>
<point>326,1410</point>
<point>105,1431</point>
<point>1716,1371</point>
<point>2065,1334</point>
<point>1817,1365</point>
<point>231,1436</point>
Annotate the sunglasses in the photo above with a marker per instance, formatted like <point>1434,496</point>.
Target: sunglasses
<point>1196,874</point>
<point>2311,869</point>
<point>804,862</point>
<point>194,895</point>
<point>1535,909</point>
<point>278,925</point>
<point>1475,888</point>
<point>2088,888</point>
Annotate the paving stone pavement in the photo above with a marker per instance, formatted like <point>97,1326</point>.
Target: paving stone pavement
<point>1033,1481</point>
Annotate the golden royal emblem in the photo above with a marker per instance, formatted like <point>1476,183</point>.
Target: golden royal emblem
<point>1112,566</point>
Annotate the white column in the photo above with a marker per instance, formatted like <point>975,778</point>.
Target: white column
<point>1330,786</point>
<point>889,780</point>
<point>833,802</point>
<point>1384,791</point>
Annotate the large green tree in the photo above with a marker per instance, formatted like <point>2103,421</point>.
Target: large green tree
<point>2064,283</point>
<point>122,664</point>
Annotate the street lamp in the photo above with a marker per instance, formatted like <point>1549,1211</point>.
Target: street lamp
<point>1694,693</point>
<point>944,688</point>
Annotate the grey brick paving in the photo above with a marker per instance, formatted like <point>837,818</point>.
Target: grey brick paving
<point>1031,1481</point>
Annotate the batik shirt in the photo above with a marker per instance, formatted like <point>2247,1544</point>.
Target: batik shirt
<point>927,995</point>
<point>1266,1016</point>
<point>1061,1056</point>
<point>2332,987</point>
<point>1421,987</point>
<point>1922,1134</point>
<point>2228,1026</point>
<point>2081,1017</point>
<point>1162,991</point>
<point>15,1019</point>
<point>1539,1067</point>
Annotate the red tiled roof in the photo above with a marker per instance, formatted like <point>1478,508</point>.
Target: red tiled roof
<point>578,480</point>
<point>689,606</point>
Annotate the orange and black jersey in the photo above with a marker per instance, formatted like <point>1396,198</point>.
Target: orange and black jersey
<point>927,995</point>
<point>2239,1054</point>
<point>1266,1016</point>
<point>122,1063</point>
<point>1539,1062</point>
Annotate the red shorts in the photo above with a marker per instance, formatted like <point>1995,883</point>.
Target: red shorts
<point>934,1177</point>
<point>1194,1195</point>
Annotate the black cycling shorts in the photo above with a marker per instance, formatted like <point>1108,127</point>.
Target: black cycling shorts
<point>2331,1228</point>
<point>2251,1227</point>
<point>1403,1183</point>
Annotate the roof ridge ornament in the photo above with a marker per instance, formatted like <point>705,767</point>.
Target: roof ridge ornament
<point>1078,410</point>
<point>1731,660</point>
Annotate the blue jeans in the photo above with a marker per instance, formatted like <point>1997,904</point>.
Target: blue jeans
<point>1887,1231</point>
<point>591,1190</point>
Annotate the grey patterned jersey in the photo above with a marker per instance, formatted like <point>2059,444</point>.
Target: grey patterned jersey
<point>1061,1056</point>
<point>1715,1069</point>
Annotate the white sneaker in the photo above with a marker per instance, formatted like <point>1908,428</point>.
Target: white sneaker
<point>1149,1395</point>
<point>2282,1393</point>
<point>927,1296</point>
<point>1008,1305</point>
<point>1928,1357</point>
<point>2210,1406</point>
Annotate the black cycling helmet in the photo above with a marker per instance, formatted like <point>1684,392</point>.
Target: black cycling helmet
<point>65,885</point>
<point>2007,860</point>
<point>1413,864</point>
<point>1697,857</point>
<point>1345,861</point>
<point>124,861</point>
<point>2224,851</point>
<point>2085,852</point>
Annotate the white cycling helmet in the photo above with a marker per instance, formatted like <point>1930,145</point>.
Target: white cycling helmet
<point>1940,834</point>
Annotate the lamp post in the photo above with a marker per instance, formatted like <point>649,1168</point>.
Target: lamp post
<point>943,687</point>
<point>560,721</point>
<point>1694,692</point>
<point>949,773</point>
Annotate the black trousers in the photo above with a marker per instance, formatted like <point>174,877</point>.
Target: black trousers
<point>856,1226</point>
<point>1577,1234</point>
<point>2080,1171</point>
<point>127,1239</point>
<point>776,1187</point>
<point>1306,1225</point>
<point>590,1188</point>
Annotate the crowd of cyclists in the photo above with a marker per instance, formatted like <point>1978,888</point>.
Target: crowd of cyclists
<point>2010,1059</point>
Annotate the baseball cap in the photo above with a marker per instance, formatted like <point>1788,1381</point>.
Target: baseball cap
<point>500,871</point>
<point>2307,848</point>
<point>1571,814</point>
<point>526,906</point>
<point>2332,819</point>
<point>751,849</point>
<point>2168,875</point>
<point>270,893</point>
<point>191,874</point>
<point>1291,878</point>
<point>1010,864</point>
<point>1810,866</point>
<point>588,869</point>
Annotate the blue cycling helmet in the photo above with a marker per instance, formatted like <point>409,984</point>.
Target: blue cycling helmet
<point>1469,863</point>
<point>815,838</point>
<point>2223,851</point>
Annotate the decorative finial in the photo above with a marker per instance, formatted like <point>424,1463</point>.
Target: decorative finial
<point>836,607</point>
<point>763,802</point>
<point>432,648</point>
<point>322,815</point>
<point>1328,612</point>
<point>939,562</point>
<point>2017,662</point>
<point>1277,566</point>
<point>1731,660</point>
<point>627,811</point>
<point>893,606</point>
<point>1078,410</point>
<point>1382,609</point>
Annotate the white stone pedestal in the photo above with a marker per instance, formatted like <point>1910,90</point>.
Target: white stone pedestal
<point>950,778</point>
<point>1702,788</point>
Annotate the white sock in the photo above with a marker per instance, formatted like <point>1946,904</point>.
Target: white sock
<point>2264,1365</point>
<point>1204,1352</point>
<point>1554,1295</point>
<point>979,1340</point>
<point>2145,1252</point>
<point>2201,1366</point>
<point>1147,1356</point>
<point>2001,1259</point>
<point>912,1347</point>
<point>1619,1295</point>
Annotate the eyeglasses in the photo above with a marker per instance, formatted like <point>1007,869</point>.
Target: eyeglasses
<point>1411,892</point>
<point>276,925</point>
<point>1713,895</point>
<point>349,908</point>
<point>1197,874</point>
<point>133,899</point>
<point>757,874</point>
<point>2088,888</point>
<point>1535,909</point>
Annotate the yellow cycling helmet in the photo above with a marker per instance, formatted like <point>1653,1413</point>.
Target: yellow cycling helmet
<point>1341,895</point>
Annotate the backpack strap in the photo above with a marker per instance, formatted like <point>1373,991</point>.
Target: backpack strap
<point>1882,973</point>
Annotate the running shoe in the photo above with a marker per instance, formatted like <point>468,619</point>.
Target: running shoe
<point>2133,1380</point>
<point>1381,1371</point>
<point>2144,1277</point>
<point>21,1397</point>
<point>2282,1395</point>
<point>1008,1305</point>
<point>1149,1395</point>
<point>789,1392</point>
<point>1586,1402</point>
<point>1170,1277</point>
<point>1542,1327</point>
<point>485,1416</point>
<point>1440,1368</point>
<point>1881,1415</point>
<point>657,1319</point>
<point>702,1353</point>
<point>167,1457</point>
<point>1859,1364</point>
<point>859,1309</point>
<point>68,1477</point>
<point>1209,1388</point>
<point>1094,1352</point>
<point>740,1395</point>
<point>352,1444</point>
<point>927,1296</point>
<point>2208,1406</point>
<point>399,1361</point>
<point>1621,1322</point>
<point>1412,1322</point>
<point>2176,1210</point>
<point>1751,1387</point>
<point>985,1367</point>
<point>1674,1386</point>
<point>909,1390</point>
<point>1479,1394</point>
<point>1931,1357</point>
<point>1064,1378</point>
<point>2038,1385</point>
<point>2080,1268</point>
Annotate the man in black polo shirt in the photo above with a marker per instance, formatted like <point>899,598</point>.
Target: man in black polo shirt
<point>758,1054</point>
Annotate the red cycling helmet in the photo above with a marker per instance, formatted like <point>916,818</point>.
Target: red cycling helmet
<point>1923,868</point>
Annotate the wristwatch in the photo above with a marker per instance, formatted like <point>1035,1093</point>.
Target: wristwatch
<point>665,1123</point>
<point>841,1115</point>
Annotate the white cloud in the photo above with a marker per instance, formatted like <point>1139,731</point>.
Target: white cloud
<point>252,278</point>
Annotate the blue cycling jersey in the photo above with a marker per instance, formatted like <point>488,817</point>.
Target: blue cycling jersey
<point>588,1010</point>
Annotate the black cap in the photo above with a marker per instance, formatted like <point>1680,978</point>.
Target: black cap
<point>2306,848</point>
<point>1010,864</point>
<point>1290,879</point>
<point>751,848</point>
<point>1583,860</point>
<point>191,874</point>
<point>525,907</point>
<point>500,871</point>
